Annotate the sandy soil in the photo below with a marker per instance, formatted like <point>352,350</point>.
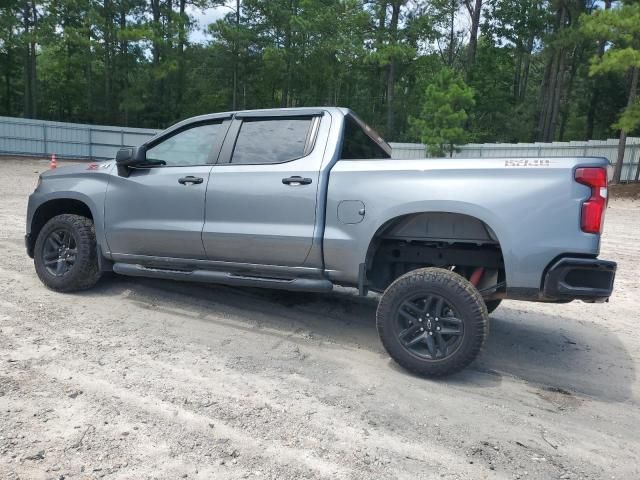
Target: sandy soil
<point>153,379</point>
<point>626,190</point>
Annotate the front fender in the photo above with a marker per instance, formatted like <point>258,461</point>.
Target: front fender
<point>86,186</point>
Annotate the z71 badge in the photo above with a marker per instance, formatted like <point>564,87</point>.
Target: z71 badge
<point>527,162</point>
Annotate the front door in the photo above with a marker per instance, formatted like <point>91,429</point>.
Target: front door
<point>261,203</point>
<point>159,211</point>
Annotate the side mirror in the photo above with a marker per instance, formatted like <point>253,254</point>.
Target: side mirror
<point>130,156</point>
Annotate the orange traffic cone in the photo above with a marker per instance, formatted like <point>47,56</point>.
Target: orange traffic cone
<point>53,163</point>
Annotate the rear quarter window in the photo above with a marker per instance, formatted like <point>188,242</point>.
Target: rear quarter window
<point>357,144</point>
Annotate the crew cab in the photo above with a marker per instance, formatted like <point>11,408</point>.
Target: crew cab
<point>308,198</point>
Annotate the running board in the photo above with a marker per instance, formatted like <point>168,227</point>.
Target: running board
<point>226,278</point>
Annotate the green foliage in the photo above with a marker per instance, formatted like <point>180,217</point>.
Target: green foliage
<point>441,124</point>
<point>629,119</point>
<point>620,27</point>
<point>134,62</point>
<point>492,118</point>
<point>616,60</point>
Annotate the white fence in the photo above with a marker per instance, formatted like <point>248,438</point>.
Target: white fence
<point>74,140</point>
<point>591,148</point>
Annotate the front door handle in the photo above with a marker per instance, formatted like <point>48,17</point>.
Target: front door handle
<point>190,179</point>
<point>296,180</point>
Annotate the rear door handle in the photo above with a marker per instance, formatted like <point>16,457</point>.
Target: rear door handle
<point>296,180</point>
<point>190,179</point>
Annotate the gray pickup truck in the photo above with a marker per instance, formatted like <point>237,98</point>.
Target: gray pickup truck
<point>307,198</point>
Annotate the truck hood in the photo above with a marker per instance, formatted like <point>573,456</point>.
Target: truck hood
<point>79,169</point>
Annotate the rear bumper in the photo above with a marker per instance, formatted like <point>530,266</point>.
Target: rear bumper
<point>587,279</point>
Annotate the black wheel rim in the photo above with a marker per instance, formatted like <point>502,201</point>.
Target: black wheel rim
<point>59,252</point>
<point>428,327</point>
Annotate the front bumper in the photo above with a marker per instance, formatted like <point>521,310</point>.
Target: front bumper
<point>587,279</point>
<point>28,243</point>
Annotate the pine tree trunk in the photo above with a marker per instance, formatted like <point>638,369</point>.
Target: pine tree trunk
<point>236,59</point>
<point>381,73</point>
<point>34,77</point>
<point>526,69</point>
<point>108,65</point>
<point>546,94</point>
<point>286,101</point>
<point>565,102</point>
<point>595,90</point>
<point>517,76</point>
<point>90,114</point>
<point>475,12</point>
<point>157,106</point>
<point>452,35</point>
<point>29,24</point>
<point>552,86</point>
<point>7,76</point>
<point>182,39</point>
<point>623,135</point>
<point>124,49</point>
<point>391,76</point>
<point>594,101</point>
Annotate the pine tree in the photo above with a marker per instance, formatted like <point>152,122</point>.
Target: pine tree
<point>621,28</point>
<point>441,125</point>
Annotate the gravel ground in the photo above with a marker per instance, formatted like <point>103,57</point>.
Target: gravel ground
<point>155,379</point>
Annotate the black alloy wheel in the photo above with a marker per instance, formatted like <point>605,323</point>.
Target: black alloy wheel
<point>428,326</point>
<point>432,321</point>
<point>60,252</point>
<point>66,253</point>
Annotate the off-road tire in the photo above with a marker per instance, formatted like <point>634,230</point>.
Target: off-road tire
<point>492,305</point>
<point>85,271</point>
<point>457,292</point>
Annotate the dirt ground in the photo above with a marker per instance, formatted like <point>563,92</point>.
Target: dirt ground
<point>626,190</point>
<point>155,379</point>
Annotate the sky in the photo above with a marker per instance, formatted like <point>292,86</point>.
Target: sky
<point>210,15</point>
<point>204,18</point>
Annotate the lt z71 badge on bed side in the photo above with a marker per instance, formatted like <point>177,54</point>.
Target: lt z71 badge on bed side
<point>527,162</point>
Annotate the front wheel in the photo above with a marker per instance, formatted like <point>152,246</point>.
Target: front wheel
<point>432,321</point>
<point>65,254</point>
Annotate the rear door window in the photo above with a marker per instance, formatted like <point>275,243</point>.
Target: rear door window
<point>266,141</point>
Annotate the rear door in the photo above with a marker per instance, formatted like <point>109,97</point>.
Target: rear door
<point>261,201</point>
<point>159,211</point>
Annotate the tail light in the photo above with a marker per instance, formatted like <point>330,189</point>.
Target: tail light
<point>592,216</point>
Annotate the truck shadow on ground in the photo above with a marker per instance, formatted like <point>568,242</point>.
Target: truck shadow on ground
<point>555,353</point>
<point>560,353</point>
